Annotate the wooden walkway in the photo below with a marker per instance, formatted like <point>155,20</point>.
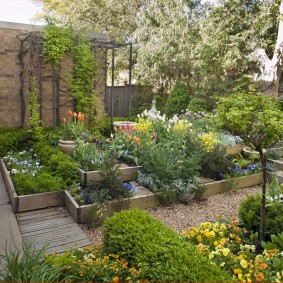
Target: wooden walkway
<point>53,226</point>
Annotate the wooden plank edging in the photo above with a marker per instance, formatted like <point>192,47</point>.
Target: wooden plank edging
<point>9,186</point>
<point>127,174</point>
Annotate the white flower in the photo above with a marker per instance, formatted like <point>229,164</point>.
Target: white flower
<point>139,115</point>
<point>111,136</point>
<point>14,171</point>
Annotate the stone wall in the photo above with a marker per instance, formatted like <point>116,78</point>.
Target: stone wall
<point>14,79</point>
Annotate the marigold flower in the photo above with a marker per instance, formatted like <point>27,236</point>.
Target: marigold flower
<point>263,266</point>
<point>259,277</point>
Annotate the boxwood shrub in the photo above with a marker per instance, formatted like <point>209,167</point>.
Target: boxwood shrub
<point>12,139</point>
<point>162,253</point>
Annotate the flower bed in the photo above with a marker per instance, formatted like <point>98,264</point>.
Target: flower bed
<point>29,202</point>
<point>141,199</point>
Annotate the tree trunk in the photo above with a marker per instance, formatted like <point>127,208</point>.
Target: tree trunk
<point>263,198</point>
<point>271,70</point>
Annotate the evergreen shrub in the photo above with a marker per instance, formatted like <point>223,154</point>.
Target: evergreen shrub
<point>178,99</point>
<point>164,256</point>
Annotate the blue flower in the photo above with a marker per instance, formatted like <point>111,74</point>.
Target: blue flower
<point>129,187</point>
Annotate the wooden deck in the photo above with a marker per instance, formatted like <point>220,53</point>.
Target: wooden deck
<point>53,226</point>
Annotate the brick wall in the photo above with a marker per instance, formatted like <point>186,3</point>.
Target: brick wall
<point>12,106</point>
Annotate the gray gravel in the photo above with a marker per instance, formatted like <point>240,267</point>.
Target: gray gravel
<point>179,216</point>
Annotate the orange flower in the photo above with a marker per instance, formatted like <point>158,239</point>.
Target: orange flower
<point>259,277</point>
<point>123,132</point>
<point>64,120</point>
<point>129,137</point>
<point>238,239</point>
<point>70,113</point>
<point>116,279</point>
<point>120,128</point>
<point>75,114</point>
<point>115,129</point>
<point>263,266</point>
<point>236,229</point>
<point>82,117</point>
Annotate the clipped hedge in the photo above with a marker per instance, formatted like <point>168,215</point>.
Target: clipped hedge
<point>12,139</point>
<point>163,254</point>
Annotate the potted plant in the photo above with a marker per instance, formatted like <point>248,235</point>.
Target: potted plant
<point>72,131</point>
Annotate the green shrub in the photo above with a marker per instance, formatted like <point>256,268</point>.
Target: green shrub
<point>249,215</point>
<point>197,104</point>
<point>11,139</point>
<point>57,163</point>
<point>178,99</point>
<point>163,255</point>
<point>26,183</point>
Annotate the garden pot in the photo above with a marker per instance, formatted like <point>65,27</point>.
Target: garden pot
<point>67,146</point>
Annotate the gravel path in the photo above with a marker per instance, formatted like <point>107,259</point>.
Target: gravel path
<point>180,217</point>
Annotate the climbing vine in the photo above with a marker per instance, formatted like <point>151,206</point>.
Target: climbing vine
<point>36,129</point>
<point>59,42</point>
<point>84,70</point>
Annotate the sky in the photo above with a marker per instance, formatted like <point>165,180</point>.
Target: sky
<point>19,11</point>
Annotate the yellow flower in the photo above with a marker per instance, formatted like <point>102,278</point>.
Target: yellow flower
<point>183,233</point>
<point>116,279</point>
<point>237,271</point>
<point>215,243</point>
<point>212,234</point>
<point>199,238</point>
<point>222,264</point>
<point>244,263</point>
<point>191,233</point>
<point>226,251</point>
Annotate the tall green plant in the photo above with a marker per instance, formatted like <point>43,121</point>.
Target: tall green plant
<point>84,71</point>
<point>57,42</point>
<point>178,99</point>
<point>37,130</point>
<point>258,121</point>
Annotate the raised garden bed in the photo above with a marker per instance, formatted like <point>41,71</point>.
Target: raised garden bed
<point>127,174</point>
<point>29,202</point>
<point>142,198</point>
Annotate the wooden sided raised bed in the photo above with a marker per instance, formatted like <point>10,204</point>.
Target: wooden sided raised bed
<point>127,174</point>
<point>29,202</point>
<point>142,198</point>
<point>237,183</point>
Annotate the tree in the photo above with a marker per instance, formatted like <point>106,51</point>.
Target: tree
<point>257,119</point>
<point>271,70</point>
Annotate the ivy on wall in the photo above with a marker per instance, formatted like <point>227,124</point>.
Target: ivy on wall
<point>59,42</point>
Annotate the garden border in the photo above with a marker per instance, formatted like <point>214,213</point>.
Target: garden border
<point>81,214</point>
